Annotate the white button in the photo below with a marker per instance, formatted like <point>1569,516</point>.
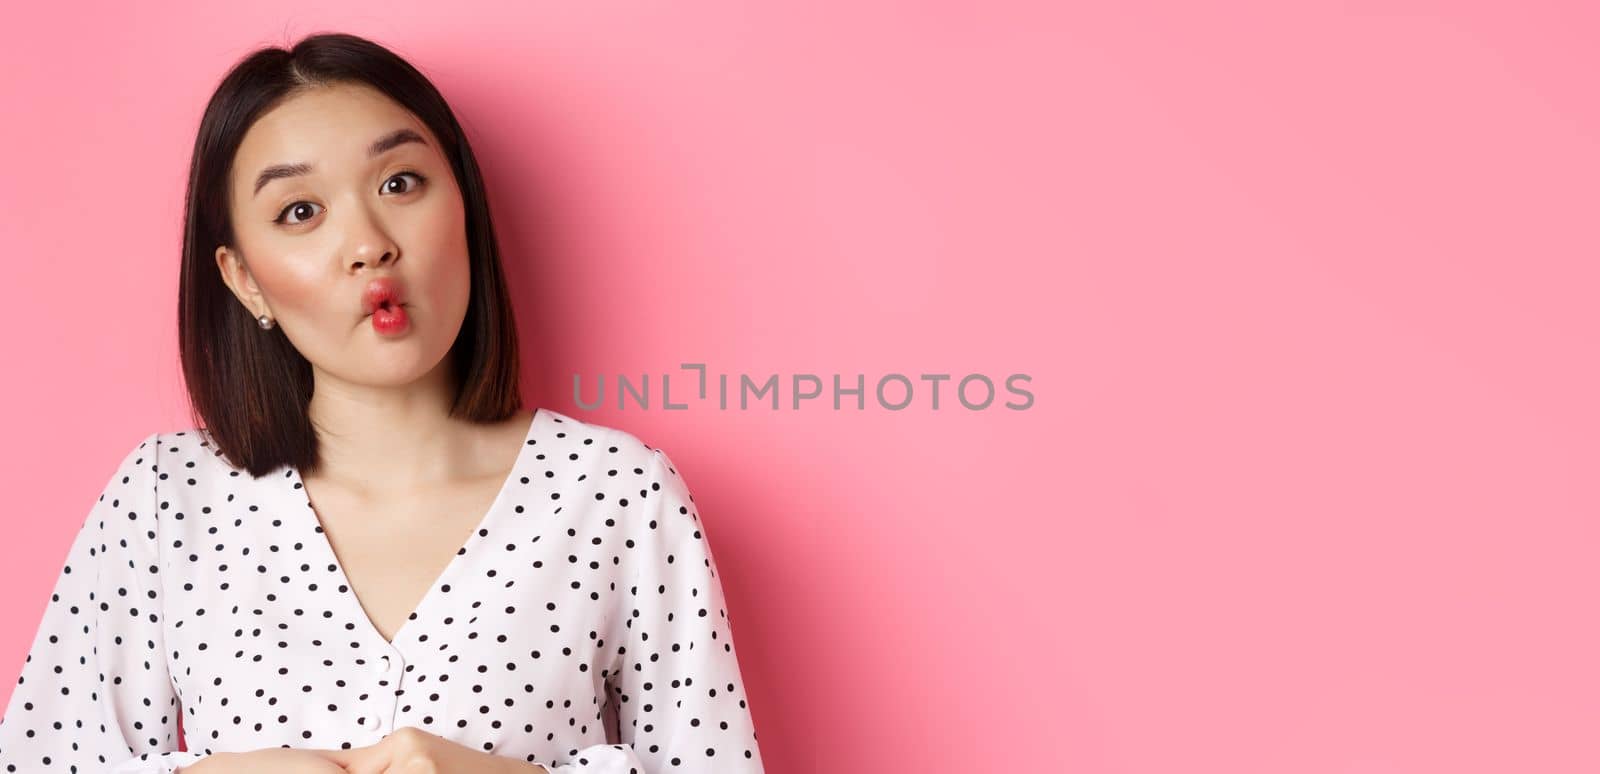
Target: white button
<point>382,664</point>
<point>373,722</point>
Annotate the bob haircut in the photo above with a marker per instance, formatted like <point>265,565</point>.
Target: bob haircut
<point>250,388</point>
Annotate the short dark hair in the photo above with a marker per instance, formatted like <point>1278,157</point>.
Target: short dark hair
<point>250,388</point>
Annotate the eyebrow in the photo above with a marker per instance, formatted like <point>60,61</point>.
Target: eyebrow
<point>380,146</point>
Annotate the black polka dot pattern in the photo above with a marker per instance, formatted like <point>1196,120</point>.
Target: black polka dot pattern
<point>196,591</point>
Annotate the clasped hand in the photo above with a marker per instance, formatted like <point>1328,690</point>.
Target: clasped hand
<point>408,750</point>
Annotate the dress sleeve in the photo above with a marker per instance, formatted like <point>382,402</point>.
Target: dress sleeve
<point>681,704</point>
<point>94,693</point>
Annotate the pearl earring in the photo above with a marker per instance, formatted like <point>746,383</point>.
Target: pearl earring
<point>265,322</point>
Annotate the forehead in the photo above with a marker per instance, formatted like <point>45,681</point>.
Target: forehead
<point>324,125</point>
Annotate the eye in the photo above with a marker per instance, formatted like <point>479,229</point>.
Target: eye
<point>296,207</point>
<point>300,207</point>
<point>388,188</point>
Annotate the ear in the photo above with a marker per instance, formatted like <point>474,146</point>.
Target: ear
<point>236,275</point>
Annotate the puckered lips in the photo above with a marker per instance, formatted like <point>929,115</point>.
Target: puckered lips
<point>383,300</point>
<point>381,293</point>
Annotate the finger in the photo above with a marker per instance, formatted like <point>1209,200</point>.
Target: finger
<point>342,757</point>
<point>376,758</point>
<point>373,759</point>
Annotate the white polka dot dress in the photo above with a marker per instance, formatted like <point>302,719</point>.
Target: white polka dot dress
<point>195,590</point>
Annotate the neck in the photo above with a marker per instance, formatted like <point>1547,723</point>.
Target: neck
<point>391,439</point>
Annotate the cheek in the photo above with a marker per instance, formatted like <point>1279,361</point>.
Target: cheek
<point>292,284</point>
<point>441,228</point>
<point>450,284</point>
<point>440,241</point>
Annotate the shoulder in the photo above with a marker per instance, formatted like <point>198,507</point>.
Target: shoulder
<point>614,443</point>
<point>138,468</point>
<point>125,511</point>
<point>186,441</point>
<point>191,447</point>
<point>184,463</point>
<point>621,450</point>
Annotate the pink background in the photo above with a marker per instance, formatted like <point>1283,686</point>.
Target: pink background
<point>1306,291</point>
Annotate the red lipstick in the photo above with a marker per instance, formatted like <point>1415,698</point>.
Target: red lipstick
<point>382,300</point>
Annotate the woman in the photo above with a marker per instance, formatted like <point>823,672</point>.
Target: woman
<point>366,555</point>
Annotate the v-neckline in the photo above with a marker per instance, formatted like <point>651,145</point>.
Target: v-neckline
<point>325,546</point>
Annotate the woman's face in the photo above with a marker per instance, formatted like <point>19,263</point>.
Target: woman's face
<point>334,216</point>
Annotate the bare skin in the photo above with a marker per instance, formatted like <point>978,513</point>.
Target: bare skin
<point>401,483</point>
<point>393,544</point>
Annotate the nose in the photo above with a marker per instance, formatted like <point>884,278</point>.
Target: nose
<point>357,262</point>
<point>369,244</point>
